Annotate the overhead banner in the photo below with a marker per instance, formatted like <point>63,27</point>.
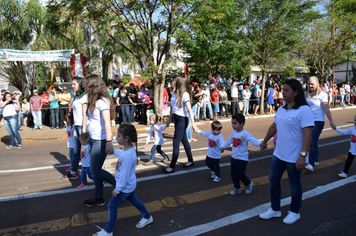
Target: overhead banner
<point>21,55</point>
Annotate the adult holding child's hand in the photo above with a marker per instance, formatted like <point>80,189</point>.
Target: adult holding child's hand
<point>180,110</point>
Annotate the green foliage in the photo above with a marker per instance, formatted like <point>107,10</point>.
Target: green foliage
<point>41,75</point>
<point>288,71</point>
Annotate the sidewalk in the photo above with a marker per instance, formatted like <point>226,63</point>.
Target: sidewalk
<point>48,134</point>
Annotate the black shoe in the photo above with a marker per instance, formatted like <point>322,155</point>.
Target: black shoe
<point>189,164</point>
<point>167,172</point>
<point>94,201</point>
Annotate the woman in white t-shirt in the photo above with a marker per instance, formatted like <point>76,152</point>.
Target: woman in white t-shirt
<point>294,122</point>
<point>318,102</point>
<point>100,112</point>
<point>180,110</point>
<point>79,108</point>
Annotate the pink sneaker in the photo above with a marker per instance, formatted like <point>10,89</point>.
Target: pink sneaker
<point>82,186</point>
<point>68,169</point>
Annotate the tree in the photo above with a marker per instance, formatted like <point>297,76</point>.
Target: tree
<point>272,27</point>
<point>142,28</point>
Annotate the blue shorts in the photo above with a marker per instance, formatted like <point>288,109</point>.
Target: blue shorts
<point>258,101</point>
<point>216,107</point>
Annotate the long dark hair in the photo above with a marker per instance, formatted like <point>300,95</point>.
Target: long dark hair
<point>81,87</point>
<point>296,86</point>
<point>96,89</point>
<point>129,131</point>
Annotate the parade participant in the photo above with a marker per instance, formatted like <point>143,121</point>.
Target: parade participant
<point>100,111</point>
<point>85,158</point>
<point>9,111</point>
<point>239,139</point>
<point>296,121</point>
<point>125,181</point>
<point>318,102</point>
<point>180,109</point>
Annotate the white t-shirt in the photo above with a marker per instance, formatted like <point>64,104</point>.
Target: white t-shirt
<point>116,93</point>
<point>245,95</point>
<point>315,104</point>
<point>349,131</point>
<point>206,95</point>
<point>25,107</point>
<point>125,170</point>
<point>78,109</point>
<point>9,110</point>
<point>96,125</point>
<point>215,142</point>
<point>234,91</point>
<point>180,111</point>
<point>69,131</point>
<point>290,123</point>
<point>240,141</point>
<point>156,133</point>
<point>85,156</point>
<point>347,88</point>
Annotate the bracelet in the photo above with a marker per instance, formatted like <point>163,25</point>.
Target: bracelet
<point>108,141</point>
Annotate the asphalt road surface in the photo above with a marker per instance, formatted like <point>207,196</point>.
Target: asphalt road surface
<point>35,201</point>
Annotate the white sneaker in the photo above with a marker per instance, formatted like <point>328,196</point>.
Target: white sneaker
<point>249,188</point>
<point>235,191</point>
<point>342,175</point>
<point>213,175</point>
<point>316,164</point>
<point>143,222</point>
<point>102,232</point>
<point>291,218</point>
<point>309,167</point>
<point>270,214</point>
<point>216,179</point>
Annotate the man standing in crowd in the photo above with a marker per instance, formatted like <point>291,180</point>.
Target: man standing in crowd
<point>133,95</point>
<point>348,93</point>
<point>64,99</point>
<point>141,96</point>
<point>234,98</point>
<point>45,110</point>
<point>36,106</point>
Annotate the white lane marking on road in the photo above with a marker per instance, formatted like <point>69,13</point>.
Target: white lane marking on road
<point>141,157</point>
<point>241,216</point>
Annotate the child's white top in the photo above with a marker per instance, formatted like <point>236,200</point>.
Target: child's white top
<point>239,141</point>
<point>85,156</point>
<point>156,133</point>
<point>78,109</point>
<point>315,104</point>
<point>215,142</point>
<point>96,124</point>
<point>246,95</point>
<point>125,170</point>
<point>25,107</point>
<point>290,123</point>
<point>69,131</point>
<point>180,111</point>
<point>349,131</point>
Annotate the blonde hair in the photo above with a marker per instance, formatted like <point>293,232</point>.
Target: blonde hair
<point>318,90</point>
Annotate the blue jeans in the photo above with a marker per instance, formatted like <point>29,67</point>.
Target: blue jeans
<point>55,117</point>
<point>132,113</point>
<point>27,113</point>
<point>97,158</point>
<point>159,150</point>
<point>238,169</point>
<point>314,150</point>
<point>115,202</point>
<point>245,103</point>
<point>196,111</point>
<point>12,129</point>
<point>76,148</point>
<point>207,105</point>
<point>180,125</point>
<point>19,119</point>
<point>335,98</point>
<point>188,130</point>
<point>125,110</point>
<point>226,109</point>
<point>275,174</point>
<point>84,173</point>
<point>37,119</point>
<point>213,164</point>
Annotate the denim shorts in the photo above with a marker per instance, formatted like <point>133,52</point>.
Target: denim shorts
<point>258,101</point>
<point>216,107</point>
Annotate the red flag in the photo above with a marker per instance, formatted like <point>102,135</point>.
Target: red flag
<point>186,70</point>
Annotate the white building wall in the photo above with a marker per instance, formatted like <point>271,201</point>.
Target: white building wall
<point>340,71</point>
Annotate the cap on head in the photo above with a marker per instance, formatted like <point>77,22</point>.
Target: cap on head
<point>35,91</point>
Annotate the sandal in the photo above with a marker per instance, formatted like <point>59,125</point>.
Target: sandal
<point>188,164</point>
<point>166,171</point>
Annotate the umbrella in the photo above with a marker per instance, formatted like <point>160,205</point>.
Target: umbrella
<point>136,81</point>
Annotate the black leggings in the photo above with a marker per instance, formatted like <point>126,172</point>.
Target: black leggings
<point>180,125</point>
<point>348,163</point>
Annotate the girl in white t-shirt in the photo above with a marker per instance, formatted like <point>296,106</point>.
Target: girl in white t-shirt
<point>70,139</point>
<point>100,113</point>
<point>294,122</point>
<point>125,181</point>
<point>180,110</point>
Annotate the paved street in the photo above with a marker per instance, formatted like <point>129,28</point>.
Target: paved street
<point>35,201</point>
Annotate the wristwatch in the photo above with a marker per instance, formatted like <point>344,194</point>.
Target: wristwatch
<point>303,153</point>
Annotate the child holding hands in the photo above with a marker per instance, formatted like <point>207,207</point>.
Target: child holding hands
<point>125,180</point>
<point>85,157</point>
<point>352,150</point>
<point>213,156</point>
<point>240,139</point>
<point>156,133</point>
